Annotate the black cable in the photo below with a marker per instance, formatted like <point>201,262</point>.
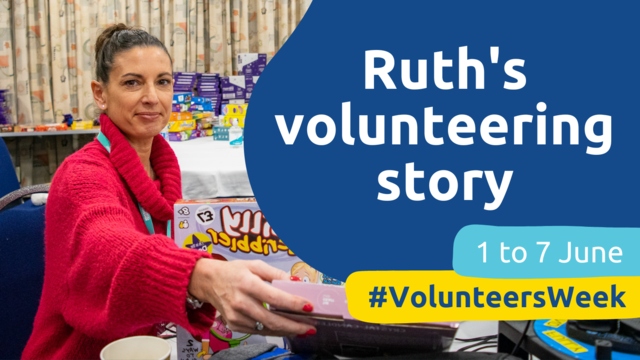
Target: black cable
<point>485,347</point>
<point>478,338</point>
<point>524,334</point>
<point>480,343</point>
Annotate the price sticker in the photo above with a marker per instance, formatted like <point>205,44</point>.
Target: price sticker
<point>205,215</point>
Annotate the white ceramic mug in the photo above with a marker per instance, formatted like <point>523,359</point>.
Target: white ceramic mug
<point>137,348</point>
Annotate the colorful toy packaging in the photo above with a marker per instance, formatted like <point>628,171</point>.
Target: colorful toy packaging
<point>251,64</point>
<point>181,125</point>
<point>220,133</point>
<point>182,98</point>
<point>233,87</point>
<point>181,116</point>
<point>230,229</point>
<point>231,112</point>
<point>52,127</point>
<point>183,135</point>
<point>82,124</point>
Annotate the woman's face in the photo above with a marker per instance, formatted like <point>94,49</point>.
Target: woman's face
<point>139,93</point>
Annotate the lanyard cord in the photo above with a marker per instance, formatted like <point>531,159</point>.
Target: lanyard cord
<point>146,217</point>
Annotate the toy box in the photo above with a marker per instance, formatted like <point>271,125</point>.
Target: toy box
<point>200,100</point>
<point>221,133</point>
<point>24,128</point>
<point>184,107</point>
<point>181,125</point>
<point>205,107</point>
<point>251,64</point>
<point>230,229</point>
<point>233,87</point>
<point>181,116</point>
<point>250,83</point>
<point>182,98</point>
<point>6,128</point>
<point>82,124</point>
<point>52,127</point>
<point>198,115</point>
<point>231,112</point>
<point>184,135</point>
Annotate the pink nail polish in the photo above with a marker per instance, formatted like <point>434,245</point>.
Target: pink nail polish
<point>307,308</point>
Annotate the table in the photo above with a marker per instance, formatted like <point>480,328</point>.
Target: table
<point>211,169</point>
<point>468,329</point>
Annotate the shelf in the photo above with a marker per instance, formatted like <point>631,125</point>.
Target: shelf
<point>49,133</point>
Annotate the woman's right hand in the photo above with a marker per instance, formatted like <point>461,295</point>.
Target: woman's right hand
<point>237,289</point>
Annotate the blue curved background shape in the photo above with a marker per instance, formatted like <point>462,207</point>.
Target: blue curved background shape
<point>581,58</point>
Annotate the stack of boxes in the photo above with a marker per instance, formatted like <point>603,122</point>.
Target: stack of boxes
<point>203,112</point>
<point>236,92</point>
<point>184,82</point>
<point>219,100</point>
<point>192,116</point>
<point>209,88</point>
<point>251,66</point>
<point>230,112</point>
<point>233,90</point>
<point>182,126</point>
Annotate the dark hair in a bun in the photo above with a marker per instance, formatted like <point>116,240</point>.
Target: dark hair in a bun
<point>116,39</point>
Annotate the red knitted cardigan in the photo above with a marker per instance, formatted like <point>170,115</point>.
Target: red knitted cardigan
<point>105,277</point>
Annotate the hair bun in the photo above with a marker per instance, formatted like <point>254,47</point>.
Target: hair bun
<point>107,34</point>
<point>116,39</point>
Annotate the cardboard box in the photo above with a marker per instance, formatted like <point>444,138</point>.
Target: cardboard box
<point>184,135</point>
<point>231,112</point>
<point>182,98</point>
<point>221,133</point>
<point>201,115</point>
<point>200,100</point>
<point>183,107</point>
<point>233,87</point>
<point>6,128</point>
<point>251,64</point>
<point>205,107</point>
<point>250,83</point>
<point>52,127</point>
<point>24,128</point>
<point>82,125</point>
<point>181,125</point>
<point>175,116</point>
<point>230,229</point>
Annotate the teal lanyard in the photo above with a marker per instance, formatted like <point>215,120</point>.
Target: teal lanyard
<point>145,215</point>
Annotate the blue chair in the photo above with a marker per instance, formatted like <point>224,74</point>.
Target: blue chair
<point>21,258</point>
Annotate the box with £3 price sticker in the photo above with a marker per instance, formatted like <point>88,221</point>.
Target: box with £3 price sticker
<point>230,229</point>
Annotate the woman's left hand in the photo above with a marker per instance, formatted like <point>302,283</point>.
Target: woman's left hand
<point>237,289</point>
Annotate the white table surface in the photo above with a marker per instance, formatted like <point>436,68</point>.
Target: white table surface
<point>211,169</point>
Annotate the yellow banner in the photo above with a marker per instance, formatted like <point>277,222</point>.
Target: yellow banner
<point>424,296</point>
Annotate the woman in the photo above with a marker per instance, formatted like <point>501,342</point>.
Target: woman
<point>108,273</point>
